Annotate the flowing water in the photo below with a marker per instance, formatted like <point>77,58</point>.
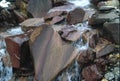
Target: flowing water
<point>72,73</point>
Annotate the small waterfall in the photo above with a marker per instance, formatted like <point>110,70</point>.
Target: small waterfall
<point>5,71</point>
<point>72,73</point>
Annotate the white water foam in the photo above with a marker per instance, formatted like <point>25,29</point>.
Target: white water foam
<point>4,3</point>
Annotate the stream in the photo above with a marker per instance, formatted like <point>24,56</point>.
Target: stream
<point>72,73</point>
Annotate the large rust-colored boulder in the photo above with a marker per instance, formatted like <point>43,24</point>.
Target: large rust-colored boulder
<point>18,48</point>
<point>75,16</point>
<point>32,23</point>
<point>39,8</point>
<point>103,48</point>
<point>91,73</point>
<point>50,55</point>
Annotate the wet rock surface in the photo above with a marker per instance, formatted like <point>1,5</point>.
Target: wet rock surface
<point>51,43</point>
<point>81,51</point>
<point>75,16</point>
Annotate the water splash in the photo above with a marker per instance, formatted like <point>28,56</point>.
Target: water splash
<point>72,73</point>
<point>15,31</point>
<point>80,3</point>
<point>4,3</point>
<point>5,71</point>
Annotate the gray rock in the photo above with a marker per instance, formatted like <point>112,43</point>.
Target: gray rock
<point>101,18</point>
<point>39,8</point>
<point>114,28</point>
<point>109,76</point>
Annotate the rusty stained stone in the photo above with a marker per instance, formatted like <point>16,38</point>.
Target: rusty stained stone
<point>91,73</point>
<point>32,23</point>
<point>13,44</point>
<point>49,54</point>
<point>86,56</point>
<point>75,16</point>
<point>103,48</point>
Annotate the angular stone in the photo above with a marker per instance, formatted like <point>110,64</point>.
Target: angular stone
<point>86,56</point>
<point>65,8</point>
<point>113,27</point>
<point>49,54</point>
<point>15,48</point>
<point>56,19</point>
<point>101,18</point>
<point>53,14</point>
<point>70,34</point>
<point>39,8</point>
<point>105,8</point>
<point>92,37</point>
<point>75,16</point>
<point>91,73</point>
<point>31,23</point>
<point>103,48</point>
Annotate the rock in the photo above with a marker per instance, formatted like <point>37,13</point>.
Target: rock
<point>32,23</point>
<point>48,62</point>
<point>109,76</point>
<point>19,16</point>
<point>58,27</point>
<point>57,19</point>
<point>105,8</point>
<point>88,14</point>
<point>18,49</point>
<point>91,73</point>
<point>101,64</point>
<point>86,56</point>
<point>65,8</point>
<point>103,48</point>
<point>38,8</point>
<point>75,16</point>
<point>101,18</point>
<point>71,33</point>
<point>53,14</point>
<point>113,27</point>
<point>92,37</point>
